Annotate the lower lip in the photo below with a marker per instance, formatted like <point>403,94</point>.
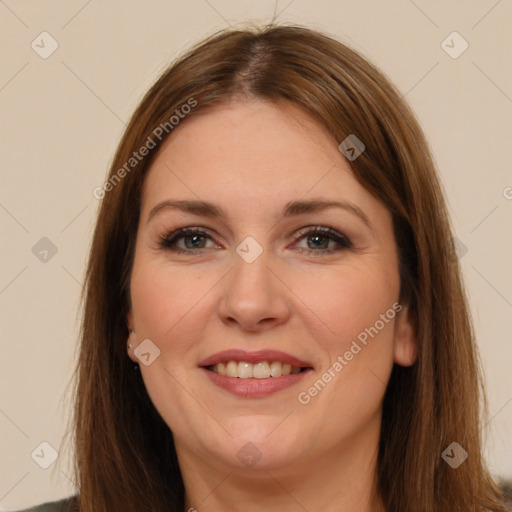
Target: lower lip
<point>255,388</point>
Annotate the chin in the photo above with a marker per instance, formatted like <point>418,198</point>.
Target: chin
<point>262,456</point>
<point>261,444</point>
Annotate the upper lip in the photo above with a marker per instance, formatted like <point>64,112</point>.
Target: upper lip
<point>254,357</point>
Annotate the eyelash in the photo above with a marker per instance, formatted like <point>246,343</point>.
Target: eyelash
<point>167,241</point>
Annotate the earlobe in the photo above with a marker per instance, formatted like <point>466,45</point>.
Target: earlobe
<point>130,343</point>
<point>406,343</point>
<point>130,346</point>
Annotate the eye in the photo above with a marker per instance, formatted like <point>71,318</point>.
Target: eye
<point>318,239</point>
<point>193,238</point>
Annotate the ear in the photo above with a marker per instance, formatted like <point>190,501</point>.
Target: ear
<point>130,342</point>
<point>405,350</point>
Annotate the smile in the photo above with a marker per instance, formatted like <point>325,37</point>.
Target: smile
<point>260,370</point>
<point>254,374</point>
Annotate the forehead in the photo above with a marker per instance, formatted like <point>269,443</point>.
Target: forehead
<point>251,153</point>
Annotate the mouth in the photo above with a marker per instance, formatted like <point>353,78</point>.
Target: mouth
<point>254,374</point>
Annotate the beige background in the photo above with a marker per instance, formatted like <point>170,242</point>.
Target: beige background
<point>62,118</point>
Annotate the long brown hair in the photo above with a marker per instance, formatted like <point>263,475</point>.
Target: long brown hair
<point>125,457</point>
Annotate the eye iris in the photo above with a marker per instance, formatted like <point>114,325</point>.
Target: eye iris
<point>316,237</point>
<point>195,238</point>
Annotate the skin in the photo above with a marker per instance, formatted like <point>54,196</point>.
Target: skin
<point>253,157</point>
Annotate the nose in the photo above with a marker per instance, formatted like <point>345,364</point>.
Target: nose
<point>254,297</point>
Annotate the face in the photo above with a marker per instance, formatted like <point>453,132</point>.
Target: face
<point>274,319</point>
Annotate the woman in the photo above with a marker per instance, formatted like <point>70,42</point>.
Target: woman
<point>273,314</point>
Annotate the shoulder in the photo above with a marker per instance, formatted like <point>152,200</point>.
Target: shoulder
<point>64,505</point>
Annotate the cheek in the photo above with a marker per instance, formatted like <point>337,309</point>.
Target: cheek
<point>359,307</point>
<point>162,297</point>
<point>350,300</point>
<point>168,309</point>
<point>172,308</point>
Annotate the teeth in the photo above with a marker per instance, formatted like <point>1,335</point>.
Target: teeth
<point>261,370</point>
<point>231,369</point>
<point>276,369</point>
<point>245,370</point>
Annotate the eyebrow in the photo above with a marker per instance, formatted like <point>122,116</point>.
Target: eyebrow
<point>291,209</point>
